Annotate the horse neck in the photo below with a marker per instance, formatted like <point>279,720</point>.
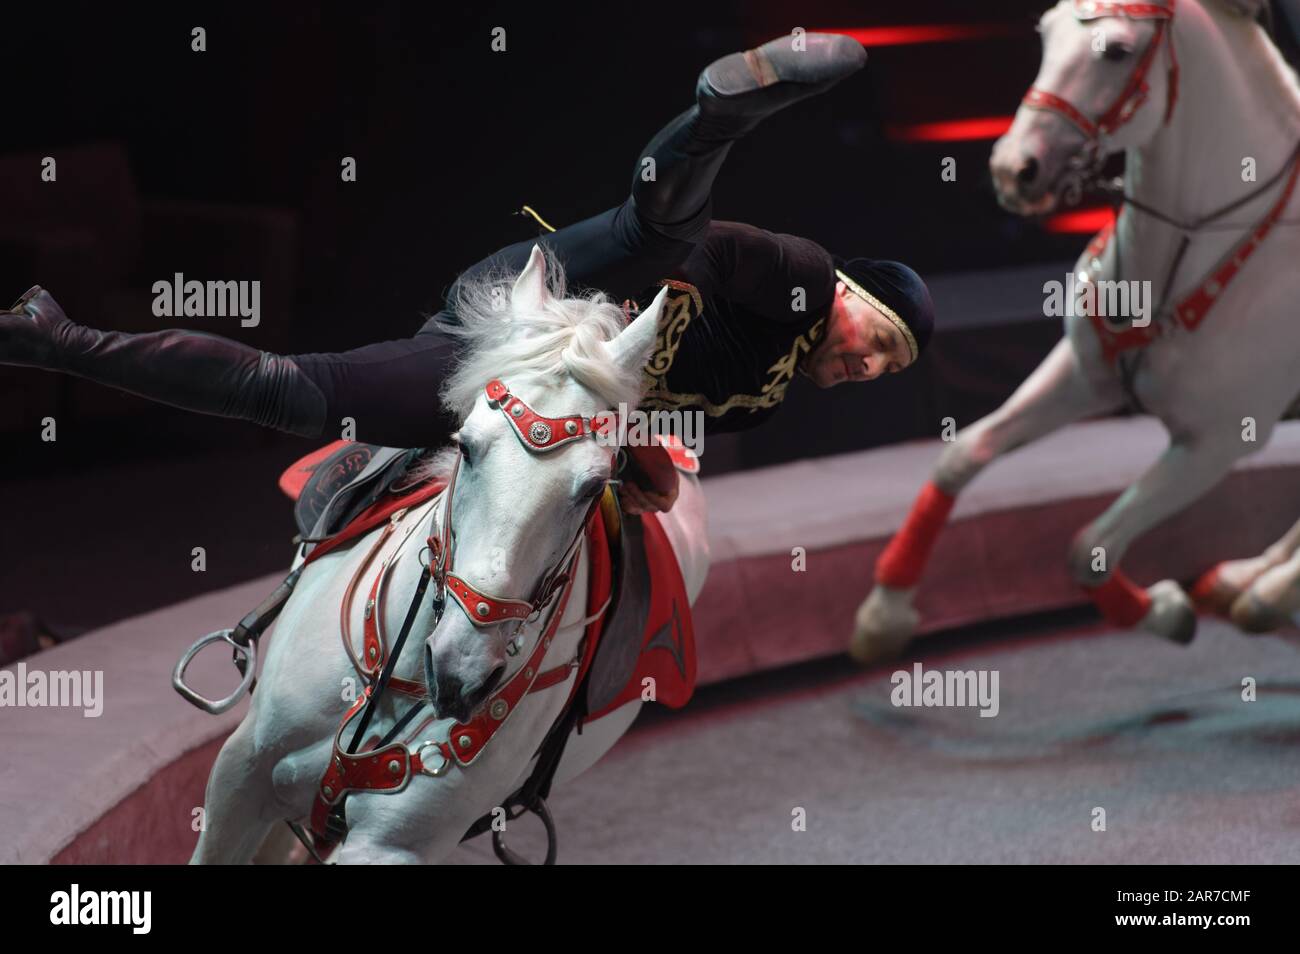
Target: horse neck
<point>1235,100</point>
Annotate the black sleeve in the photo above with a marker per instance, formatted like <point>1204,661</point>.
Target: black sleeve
<point>761,270</point>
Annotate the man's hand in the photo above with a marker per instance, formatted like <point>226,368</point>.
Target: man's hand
<point>633,499</point>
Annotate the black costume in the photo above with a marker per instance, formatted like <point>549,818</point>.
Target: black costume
<point>728,321</point>
<point>732,336</point>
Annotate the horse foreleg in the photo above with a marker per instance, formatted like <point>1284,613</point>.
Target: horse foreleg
<point>1185,471</point>
<point>1272,600</point>
<point>1056,394</point>
<point>237,809</point>
<point>1219,587</point>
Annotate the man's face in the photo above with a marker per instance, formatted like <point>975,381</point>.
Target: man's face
<point>859,344</point>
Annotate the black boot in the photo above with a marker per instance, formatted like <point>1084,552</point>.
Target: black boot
<point>187,369</point>
<point>733,95</point>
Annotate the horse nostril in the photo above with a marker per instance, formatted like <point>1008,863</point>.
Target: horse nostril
<point>430,683</point>
<point>1028,172</point>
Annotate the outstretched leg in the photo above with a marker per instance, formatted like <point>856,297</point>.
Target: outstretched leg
<point>387,389</point>
<point>1056,394</point>
<point>629,248</point>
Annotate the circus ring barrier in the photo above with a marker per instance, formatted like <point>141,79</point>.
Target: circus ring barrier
<point>124,787</point>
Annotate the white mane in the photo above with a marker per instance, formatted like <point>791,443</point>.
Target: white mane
<point>565,338</point>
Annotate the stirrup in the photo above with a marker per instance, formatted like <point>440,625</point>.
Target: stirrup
<point>243,640</point>
<point>518,810</point>
<point>245,657</point>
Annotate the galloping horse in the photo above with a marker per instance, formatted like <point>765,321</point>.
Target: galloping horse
<point>1208,115</point>
<point>488,676</point>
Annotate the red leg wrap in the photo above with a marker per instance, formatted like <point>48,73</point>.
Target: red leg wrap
<point>903,561</point>
<point>1121,601</point>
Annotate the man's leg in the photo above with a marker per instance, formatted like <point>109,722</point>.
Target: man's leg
<point>189,369</point>
<point>388,389</point>
<point>629,248</point>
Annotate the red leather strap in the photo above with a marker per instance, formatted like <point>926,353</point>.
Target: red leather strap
<point>482,608</point>
<point>1095,9</point>
<point>1193,308</point>
<point>372,644</point>
<point>1042,99</point>
<point>553,676</point>
<point>538,432</point>
<point>390,769</point>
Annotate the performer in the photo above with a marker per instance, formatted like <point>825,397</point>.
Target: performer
<point>748,307</point>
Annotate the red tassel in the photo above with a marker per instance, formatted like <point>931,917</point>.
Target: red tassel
<point>1121,601</point>
<point>903,561</point>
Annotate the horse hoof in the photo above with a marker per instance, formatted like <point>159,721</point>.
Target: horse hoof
<point>1271,601</point>
<point>1251,615</point>
<point>1221,585</point>
<point>1172,615</point>
<point>884,625</point>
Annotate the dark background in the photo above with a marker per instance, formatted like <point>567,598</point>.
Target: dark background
<point>450,139</point>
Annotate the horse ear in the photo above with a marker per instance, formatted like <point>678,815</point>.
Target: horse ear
<point>529,293</point>
<point>631,349</point>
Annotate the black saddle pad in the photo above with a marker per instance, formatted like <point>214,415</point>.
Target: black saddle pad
<point>346,483</point>
<point>620,643</point>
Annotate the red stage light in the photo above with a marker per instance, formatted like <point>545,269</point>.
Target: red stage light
<point>924,33</point>
<point>956,130</point>
<point>1082,221</point>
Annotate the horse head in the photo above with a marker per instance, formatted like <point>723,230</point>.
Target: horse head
<point>1108,81</point>
<point>528,467</point>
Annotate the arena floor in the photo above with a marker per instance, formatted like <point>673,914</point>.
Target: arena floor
<point>1155,734</point>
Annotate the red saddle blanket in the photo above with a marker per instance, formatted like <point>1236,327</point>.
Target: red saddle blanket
<point>650,649</point>
<point>646,648</point>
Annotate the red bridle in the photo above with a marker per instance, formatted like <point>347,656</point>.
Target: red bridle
<point>390,766</point>
<point>1135,91</point>
<point>539,434</point>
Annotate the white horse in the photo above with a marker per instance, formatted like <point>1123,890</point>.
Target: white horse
<point>1208,115</point>
<point>516,513</point>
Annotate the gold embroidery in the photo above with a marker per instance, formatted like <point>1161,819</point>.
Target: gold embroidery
<point>677,314</point>
<point>671,401</point>
<point>783,371</point>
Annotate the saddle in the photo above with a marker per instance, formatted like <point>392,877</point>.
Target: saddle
<point>646,648</point>
<point>331,487</point>
<point>346,488</point>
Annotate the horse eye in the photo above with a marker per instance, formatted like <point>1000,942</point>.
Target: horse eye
<point>464,449</point>
<point>590,492</point>
<point>1116,52</point>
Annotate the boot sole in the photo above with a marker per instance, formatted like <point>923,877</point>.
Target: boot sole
<point>740,73</point>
